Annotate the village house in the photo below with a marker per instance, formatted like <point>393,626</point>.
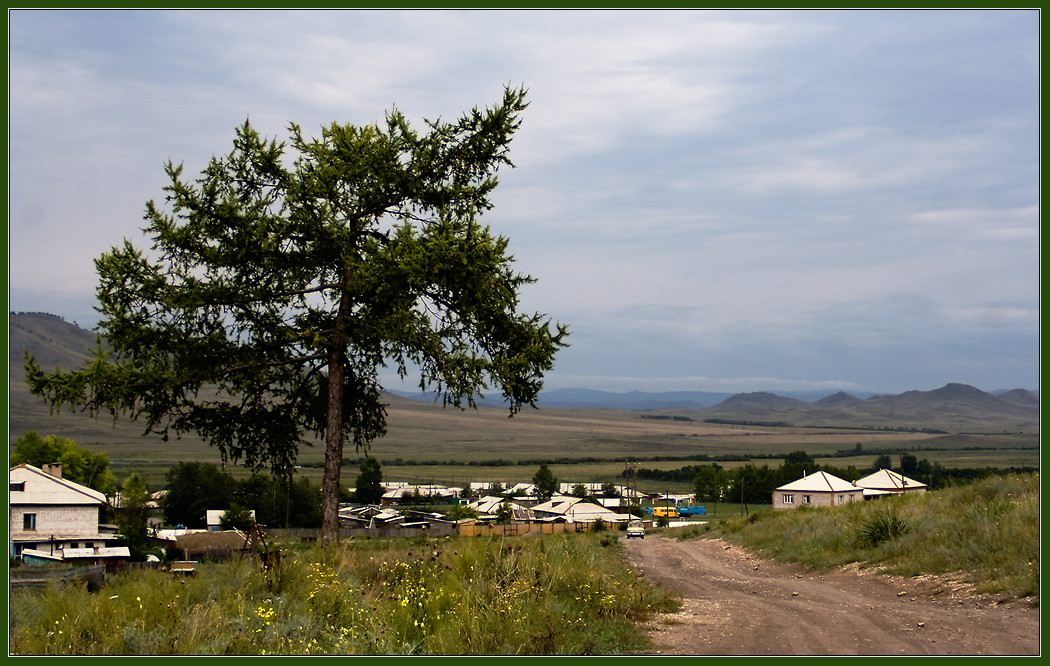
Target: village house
<point>489,506</point>
<point>54,519</point>
<point>406,492</point>
<point>575,509</point>
<point>213,518</point>
<point>817,489</point>
<point>888,482</point>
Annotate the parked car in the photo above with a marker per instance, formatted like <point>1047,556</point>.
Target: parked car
<point>635,528</point>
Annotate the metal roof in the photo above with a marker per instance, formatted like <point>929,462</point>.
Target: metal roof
<point>41,488</point>
<point>886,479</point>
<point>818,482</point>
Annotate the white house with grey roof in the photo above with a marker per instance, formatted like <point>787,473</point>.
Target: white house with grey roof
<point>816,489</point>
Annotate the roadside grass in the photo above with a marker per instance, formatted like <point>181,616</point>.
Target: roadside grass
<point>986,532</point>
<point>558,594</point>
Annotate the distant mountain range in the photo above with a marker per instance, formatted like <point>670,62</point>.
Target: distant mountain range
<point>58,344</point>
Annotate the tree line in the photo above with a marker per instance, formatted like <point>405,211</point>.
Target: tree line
<point>752,483</point>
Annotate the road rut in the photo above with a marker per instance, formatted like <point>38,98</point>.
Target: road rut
<point>737,604</point>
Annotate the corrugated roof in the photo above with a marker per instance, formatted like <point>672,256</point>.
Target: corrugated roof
<point>820,482</point>
<point>42,488</point>
<point>559,504</point>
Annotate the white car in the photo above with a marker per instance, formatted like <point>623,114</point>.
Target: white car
<point>635,528</point>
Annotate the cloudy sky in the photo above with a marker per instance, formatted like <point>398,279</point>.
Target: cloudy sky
<point>725,201</point>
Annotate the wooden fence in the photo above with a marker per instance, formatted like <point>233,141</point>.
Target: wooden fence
<point>436,529</point>
<point>520,529</point>
<point>307,535</point>
<point>94,575</point>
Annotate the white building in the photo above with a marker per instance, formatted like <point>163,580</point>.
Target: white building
<point>54,518</point>
<point>816,489</point>
<point>574,509</point>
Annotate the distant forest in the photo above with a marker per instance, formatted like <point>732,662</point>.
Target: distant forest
<point>40,314</point>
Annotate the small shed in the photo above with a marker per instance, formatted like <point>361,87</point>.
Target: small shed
<point>816,489</point>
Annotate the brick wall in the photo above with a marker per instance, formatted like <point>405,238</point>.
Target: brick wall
<point>815,498</point>
<point>60,521</point>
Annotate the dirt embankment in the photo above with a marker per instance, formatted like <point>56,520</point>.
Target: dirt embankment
<point>736,604</point>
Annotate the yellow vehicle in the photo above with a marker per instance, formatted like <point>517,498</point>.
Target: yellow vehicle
<point>665,512</point>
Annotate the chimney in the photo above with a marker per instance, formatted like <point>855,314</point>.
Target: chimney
<point>54,469</point>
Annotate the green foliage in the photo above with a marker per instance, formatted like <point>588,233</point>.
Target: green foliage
<point>461,511</point>
<point>562,594</point>
<point>504,514</point>
<point>194,488</point>
<point>909,464</point>
<point>882,461</point>
<point>579,490</point>
<point>78,465</point>
<point>282,278</point>
<point>133,515</point>
<point>368,488</point>
<point>709,482</point>
<point>236,517</point>
<point>280,501</point>
<point>882,526</point>
<point>545,482</point>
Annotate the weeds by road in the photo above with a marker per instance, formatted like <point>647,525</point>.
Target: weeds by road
<point>563,594</point>
<point>986,533</point>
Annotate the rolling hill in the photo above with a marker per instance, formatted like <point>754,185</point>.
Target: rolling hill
<point>953,407</point>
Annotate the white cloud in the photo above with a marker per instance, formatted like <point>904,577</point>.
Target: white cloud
<point>714,180</point>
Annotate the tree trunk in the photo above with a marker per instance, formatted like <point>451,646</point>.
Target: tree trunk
<point>333,452</point>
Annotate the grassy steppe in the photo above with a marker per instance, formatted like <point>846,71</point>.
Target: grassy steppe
<point>560,594</point>
<point>986,533</point>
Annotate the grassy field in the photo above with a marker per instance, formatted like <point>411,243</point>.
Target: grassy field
<point>562,594</point>
<point>986,532</point>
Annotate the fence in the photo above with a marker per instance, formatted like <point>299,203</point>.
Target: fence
<point>307,534</point>
<point>520,529</point>
<point>435,529</point>
<point>94,575</point>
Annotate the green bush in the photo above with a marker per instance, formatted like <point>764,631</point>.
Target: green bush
<point>880,527</point>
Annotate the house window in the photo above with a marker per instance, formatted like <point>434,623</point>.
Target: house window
<point>789,499</point>
<point>28,521</point>
<point>805,499</point>
<point>18,487</point>
<point>842,499</point>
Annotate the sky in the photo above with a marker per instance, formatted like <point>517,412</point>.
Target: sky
<point>712,200</point>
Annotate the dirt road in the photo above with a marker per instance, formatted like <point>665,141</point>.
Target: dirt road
<point>734,604</point>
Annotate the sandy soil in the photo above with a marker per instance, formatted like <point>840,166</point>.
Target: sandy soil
<point>736,604</point>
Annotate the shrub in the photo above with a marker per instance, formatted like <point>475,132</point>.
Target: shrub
<point>882,526</point>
